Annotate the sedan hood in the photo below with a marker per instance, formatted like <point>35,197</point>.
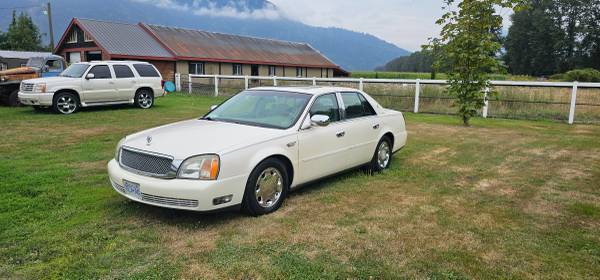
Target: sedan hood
<point>193,137</point>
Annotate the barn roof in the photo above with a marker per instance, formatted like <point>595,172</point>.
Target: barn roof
<point>206,46</point>
<point>123,39</point>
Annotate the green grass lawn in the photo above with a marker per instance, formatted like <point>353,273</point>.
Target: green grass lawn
<point>501,199</point>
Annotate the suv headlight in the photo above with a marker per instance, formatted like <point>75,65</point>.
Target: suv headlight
<point>39,88</point>
<point>202,167</point>
<point>118,150</point>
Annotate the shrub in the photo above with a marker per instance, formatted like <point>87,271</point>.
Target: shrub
<point>582,75</point>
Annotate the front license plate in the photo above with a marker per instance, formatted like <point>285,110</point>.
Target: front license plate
<point>132,189</point>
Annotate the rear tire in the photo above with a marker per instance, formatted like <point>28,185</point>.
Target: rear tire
<point>13,99</point>
<point>266,188</point>
<point>383,155</point>
<point>65,103</point>
<point>144,99</point>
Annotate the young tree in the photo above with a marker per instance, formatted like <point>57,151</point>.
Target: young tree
<point>22,35</point>
<point>469,44</point>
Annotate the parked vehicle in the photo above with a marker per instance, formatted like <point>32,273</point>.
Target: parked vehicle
<point>93,84</point>
<point>254,148</point>
<point>36,67</point>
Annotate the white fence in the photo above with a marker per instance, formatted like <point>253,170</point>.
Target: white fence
<point>560,98</point>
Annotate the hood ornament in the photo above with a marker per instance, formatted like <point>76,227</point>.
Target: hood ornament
<point>148,140</point>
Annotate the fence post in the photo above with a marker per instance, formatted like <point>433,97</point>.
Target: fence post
<point>417,92</point>
<point>216,85</point>
<point>190,84</point>
<point>314,81</point>
<point>177,81</point>
<point>246,81</point>
<point>485,102</point>
<point>573,102</point>
<point>360,84</point>
<point>274,81</point>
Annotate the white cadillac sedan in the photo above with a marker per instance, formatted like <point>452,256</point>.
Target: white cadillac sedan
<point>256,147</point>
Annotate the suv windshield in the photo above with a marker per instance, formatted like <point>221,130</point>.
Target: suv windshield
<point>274,109</point>
<point>35,62</point>
<point>74,71</point>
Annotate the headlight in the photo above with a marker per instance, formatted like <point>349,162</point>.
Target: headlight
<point>203,167</point>
<point>39,88</point>
<point>118,150</point>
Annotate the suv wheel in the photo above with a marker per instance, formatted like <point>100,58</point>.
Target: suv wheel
<point>144,99</point>
<point>65,103</point>
<point>266,188</point>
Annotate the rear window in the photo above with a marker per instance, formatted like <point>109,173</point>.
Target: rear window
<point>122,71</point>
<point>146,70</point>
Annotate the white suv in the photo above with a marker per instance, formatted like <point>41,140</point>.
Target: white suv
<point>94,83</point>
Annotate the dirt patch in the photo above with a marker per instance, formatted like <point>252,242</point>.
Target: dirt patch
<point>495,186</point>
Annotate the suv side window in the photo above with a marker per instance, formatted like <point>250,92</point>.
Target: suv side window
<point>122,71</point>
<point>101,72</point>
<point>146,70</point>
<point>326,105</point>
<point>356,106</point>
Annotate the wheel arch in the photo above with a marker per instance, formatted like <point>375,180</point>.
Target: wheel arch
<point>389,135</point>
<point>145,88</point>
<point>289,167</point>
<point>67,90</point>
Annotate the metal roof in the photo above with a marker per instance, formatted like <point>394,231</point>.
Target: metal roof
<point>211,46</point>
<point>23,55</point>
<point>123,38</point>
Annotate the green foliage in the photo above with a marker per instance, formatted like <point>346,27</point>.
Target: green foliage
<point>22,35</point>
<point>580,75</point>
<point>554,36</point>
<point>469,44</point>
<point>420,61</point>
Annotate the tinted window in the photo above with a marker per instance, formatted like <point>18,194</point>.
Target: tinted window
<point>122,71</point>
<point>326,105</point>
<point>146,70</point>
<point>355,105</point>
<point>100,72</point>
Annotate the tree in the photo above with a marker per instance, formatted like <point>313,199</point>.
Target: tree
<point>469,43</point>
<point>22,35</point>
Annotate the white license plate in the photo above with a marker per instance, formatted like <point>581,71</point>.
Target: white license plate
<point>132,189</point>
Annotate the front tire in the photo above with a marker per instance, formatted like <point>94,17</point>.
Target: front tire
<point>144,99</point>
<point>266,188</point>
<point>383,155</point>
<point>65,103</point>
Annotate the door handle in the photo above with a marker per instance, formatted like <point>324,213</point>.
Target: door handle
<point>376,126</point>
<point>111,83</point>
<point>340,134</point>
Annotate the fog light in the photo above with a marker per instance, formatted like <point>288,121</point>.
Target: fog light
<point>222,199</point>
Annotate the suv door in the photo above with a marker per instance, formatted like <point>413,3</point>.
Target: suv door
<point>322,148</point>
<point>101,88</point>
<point>125,82</point>
<point>362,127</point>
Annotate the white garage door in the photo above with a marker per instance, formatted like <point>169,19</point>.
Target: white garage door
<point>74,57</point>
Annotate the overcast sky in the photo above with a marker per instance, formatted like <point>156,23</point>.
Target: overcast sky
<point>406,23</point>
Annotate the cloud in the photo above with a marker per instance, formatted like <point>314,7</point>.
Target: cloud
<point>232,9</point>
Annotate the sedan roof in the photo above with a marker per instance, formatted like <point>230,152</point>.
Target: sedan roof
<point>313,90</point>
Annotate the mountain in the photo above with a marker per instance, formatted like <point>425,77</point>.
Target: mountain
<point>260,18</point>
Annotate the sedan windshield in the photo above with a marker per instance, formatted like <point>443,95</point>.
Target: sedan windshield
<point>274,109</point>
<point>74,71</point>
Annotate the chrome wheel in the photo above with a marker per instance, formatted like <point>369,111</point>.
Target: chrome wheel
<point>66,104</point>
<point>269,187</point>
<point>383,154</point>
<point>145,100</point>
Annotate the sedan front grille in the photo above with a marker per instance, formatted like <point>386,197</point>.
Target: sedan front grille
<point>146,163</point>
<point>26,87</point>
<point>170,200</point>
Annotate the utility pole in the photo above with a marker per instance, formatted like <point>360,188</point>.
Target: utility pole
<point>49,12</point>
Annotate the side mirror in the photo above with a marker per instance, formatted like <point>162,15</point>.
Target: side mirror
<point>320,120</point>
<point>90,76</point>
<point>213,107</point>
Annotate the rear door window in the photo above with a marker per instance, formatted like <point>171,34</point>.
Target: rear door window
<point>356,106</point>
<point>123,71</point>
<point>146,70</point>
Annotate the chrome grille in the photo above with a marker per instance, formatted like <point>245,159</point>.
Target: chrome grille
<point>117,186</point>
<point>170,200</point>
<point>146,163</point>
<point>26,87</point>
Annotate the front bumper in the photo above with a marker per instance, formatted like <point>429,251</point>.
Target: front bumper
<point>36,99</point>
<point>195,195</point>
